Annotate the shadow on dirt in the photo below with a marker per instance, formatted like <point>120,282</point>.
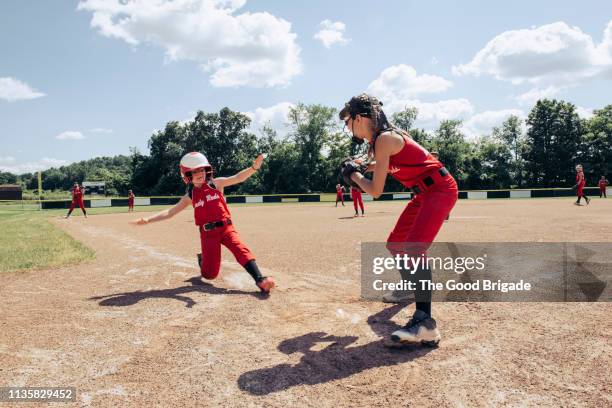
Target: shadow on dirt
<point>197,286</point>
<point>334,362</point>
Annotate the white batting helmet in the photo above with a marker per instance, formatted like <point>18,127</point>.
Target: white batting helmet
<point>193,161</point>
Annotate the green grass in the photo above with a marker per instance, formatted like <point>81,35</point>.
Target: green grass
<point>29,241</point>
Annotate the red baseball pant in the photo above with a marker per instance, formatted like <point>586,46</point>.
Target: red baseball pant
<point>211,249</point>
<point>76,202</point>
<point>357,198</point>
<point>422,218</point>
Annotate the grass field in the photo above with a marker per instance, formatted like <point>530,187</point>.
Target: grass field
<point>29,241</point>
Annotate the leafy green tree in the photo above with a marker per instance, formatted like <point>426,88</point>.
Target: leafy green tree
<point>311,127</point>
<point>455,152</point>
<point>598,142</point>
<point>405,119</point>
<point>511,134</point>
<point>553,143</point>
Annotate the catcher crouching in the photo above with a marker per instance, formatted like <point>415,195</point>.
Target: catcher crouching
<point>392,151</point>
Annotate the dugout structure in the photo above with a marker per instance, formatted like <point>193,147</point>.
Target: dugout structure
<point>10,192</point>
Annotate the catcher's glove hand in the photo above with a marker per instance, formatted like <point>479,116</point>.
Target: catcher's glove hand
<point>347,168</point>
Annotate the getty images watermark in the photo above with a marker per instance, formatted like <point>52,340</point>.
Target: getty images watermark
<point>490,272</point>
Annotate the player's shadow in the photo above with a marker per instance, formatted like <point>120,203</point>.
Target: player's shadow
<point>336,361</point>
<point>197,286</point>
<point>346,218</point>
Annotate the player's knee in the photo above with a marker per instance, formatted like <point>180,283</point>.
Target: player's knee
<point>209,273</point>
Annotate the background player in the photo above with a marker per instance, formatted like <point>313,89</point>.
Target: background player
<point>77,199</point>
<point>603,182</point>
<point>357,199</point>
<point>340,194</point>
<point>580,183</point>
<point>212,216</point>
<point>130,201</point>
<point>396,153</point>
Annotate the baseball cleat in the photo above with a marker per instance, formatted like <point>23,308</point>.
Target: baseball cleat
<point>421,329</point>
<point>398,296</point>
<point>588,200</point>
<point>266,285</point>
<point>199,260</point>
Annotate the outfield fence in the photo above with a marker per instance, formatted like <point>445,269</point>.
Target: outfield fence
<point>25,205</point>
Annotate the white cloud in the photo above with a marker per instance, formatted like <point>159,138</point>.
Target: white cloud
<point>331,32</point>
<point>70,135</point>
<point>256,49</point>
<point>275,116</point>
<point>482,123</point>
<point>553,53</point>
<point>402,81</point>
<point>533,95</point>
<point>7,159</point>
<point>584,113</point>
<point>12,89</point>
<point>31,167</point>
<point>101,130</point>
<point>430,113</point>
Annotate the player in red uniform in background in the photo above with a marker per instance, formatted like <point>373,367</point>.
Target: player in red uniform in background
<point>580,183</point>
<point>357,199</point>
<point>77,199</point>
<point>603,182</point>
<point>130,201</point>
<point>339,194</point>
<point>396,153</point>
<point>212,216</point>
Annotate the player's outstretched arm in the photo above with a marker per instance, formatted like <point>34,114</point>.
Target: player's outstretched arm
<point>221,182</point>
<point>165,214</point>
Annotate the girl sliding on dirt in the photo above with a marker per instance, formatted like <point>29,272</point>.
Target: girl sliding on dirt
<point>205,194</point>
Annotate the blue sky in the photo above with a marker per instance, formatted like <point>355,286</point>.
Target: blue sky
<point>92,78</point>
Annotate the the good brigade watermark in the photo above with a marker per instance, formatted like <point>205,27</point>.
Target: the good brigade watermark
<point>497,272</point>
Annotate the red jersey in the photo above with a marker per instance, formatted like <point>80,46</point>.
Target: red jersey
<point>77,194</point>
<point>208,204</point>
<point>580,178</point>
<point>411,163</point>
<point>603,183</point>
<point>339,190</point>
<point>131,197</point>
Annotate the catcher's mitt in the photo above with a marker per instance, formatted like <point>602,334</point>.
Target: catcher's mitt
<point>348,167</point>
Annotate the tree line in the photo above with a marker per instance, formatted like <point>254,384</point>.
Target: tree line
<point>539,152</point>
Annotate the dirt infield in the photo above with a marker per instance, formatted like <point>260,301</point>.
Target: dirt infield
<point>133,327</point>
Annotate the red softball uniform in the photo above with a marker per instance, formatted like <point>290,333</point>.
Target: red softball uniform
<point>581,183</point>
<point>602,185</point>
<point>131,200</point>
<point>77,199</point>
<point>209,206</point>
<point>424,215</point>
<point>357,198</point>
<point>339,194</point>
